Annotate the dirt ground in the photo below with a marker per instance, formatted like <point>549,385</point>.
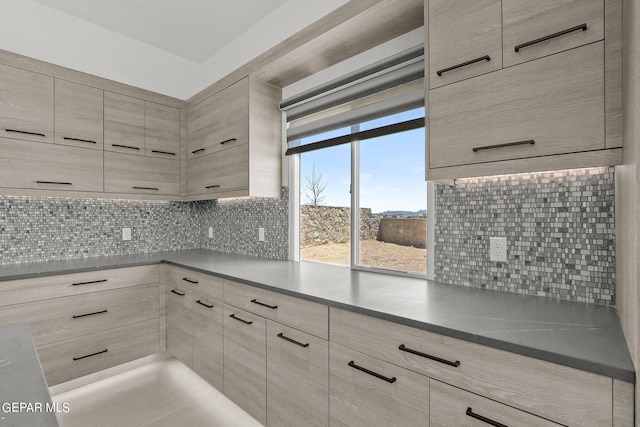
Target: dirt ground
<point>372,253</point>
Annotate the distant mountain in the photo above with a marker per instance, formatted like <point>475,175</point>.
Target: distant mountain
<point>403,213</point>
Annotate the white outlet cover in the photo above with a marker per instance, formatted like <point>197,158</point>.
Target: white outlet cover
<point>126,233</point>
<point>211,232</point>
<point>498,249</point>
<point>261,234</point>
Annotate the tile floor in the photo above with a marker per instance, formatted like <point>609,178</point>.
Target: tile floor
<point>163,392</point>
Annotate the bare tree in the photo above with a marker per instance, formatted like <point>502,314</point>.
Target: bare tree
<point>314,188</point>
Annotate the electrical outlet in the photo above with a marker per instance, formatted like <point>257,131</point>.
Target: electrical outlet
<point>260,234</point>
<point>126,233</point>
<point>211,232</point>
<point>498,249</point>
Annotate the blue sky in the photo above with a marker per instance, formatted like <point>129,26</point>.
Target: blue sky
<point>391,169</point>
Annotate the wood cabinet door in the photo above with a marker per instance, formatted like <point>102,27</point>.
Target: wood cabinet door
<point>231,114</point>
<point>245,365</point>
<point>26,105</point>
<point>465,39</point>
<point>132,174</point>
<point>553,105</point>
<point>200,128</point>
<point>208,337</point>
<point>297,378</point>
<point>179,323</point>
<point>161,131</point>
<point>79,115</point>
<point>123,123</point>
<point>219,173</point>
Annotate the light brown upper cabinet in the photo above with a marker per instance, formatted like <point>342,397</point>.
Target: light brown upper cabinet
<point>235,145</point>
<point>26,105</point>
<point>465,39</point>
<point>533,29</point>
<point>123,123</point>
<point>161,131</point>
<point>78,115</point>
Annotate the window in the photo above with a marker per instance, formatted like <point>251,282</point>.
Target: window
<point>359,196</point>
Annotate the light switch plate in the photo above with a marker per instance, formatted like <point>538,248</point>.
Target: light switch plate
<point>498,249</point>
<point>211,232</point>
<point>126,233</point>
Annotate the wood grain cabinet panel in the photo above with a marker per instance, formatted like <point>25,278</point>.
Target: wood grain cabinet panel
<point>162,131</point>
<point>34,165</point>
<point>297,378</point>
<point>557,102</point>
<point>463,32</point>
<point>79,113</point>
<point>572,23</point>
<point>220,173</point>
<point>124,130</point>
<point>200,124</point>
<point>179,323</point>
<point>26,105</point>
<point>193,281</point>
<point>365,392</point>
<point>451,406</point>
<point>133,174</point>
<point>245,366</point>
<point>565,395</point>
<point>208,338</point>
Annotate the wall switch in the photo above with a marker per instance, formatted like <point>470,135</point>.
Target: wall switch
<point>211,232</point>
<point>261,234</point>
<point>498,249</point>
<point>126,233</point>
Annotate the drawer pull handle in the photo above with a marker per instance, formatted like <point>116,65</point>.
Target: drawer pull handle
<point>77,316</point>
<point>582,27</point>
<point>89,283</point>
<point>213,186</point>
<point>228,140</point>
<point>125,146</point>
<point>484,419</point>
<point>173,291</point>
<point>206,305</point>
<point>464,64</point>
<point>146,188</point>
<point>163,152</point>
<point>272,307</point>
<point>54,182</point>
<point>375,374</point>
<point>89,355</point>
<point>195,282</point>
<point>197,151</point>
<point>66,138</point>
<point>428,356</point>
<point>281,335</point>
<point>246,322</point>
<point>508,144</point>
<point>25,132</point>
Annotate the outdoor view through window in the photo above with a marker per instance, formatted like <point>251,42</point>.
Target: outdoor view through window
<point>391,199</point>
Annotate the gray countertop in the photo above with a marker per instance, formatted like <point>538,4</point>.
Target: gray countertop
<point>579,335</point>
<point>24,395</point>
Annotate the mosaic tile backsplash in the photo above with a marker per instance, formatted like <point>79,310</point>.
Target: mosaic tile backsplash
<point>36,229</point>
<point>559,228</point>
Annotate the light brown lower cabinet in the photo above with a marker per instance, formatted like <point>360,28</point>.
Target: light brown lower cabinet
<point>245,365</point>
<point>179,324</point>
<point>297,378</point>
<point>366,392</point>
<point>206,314</point>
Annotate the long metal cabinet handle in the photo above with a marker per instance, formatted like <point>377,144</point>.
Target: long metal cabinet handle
<point>89,283</point>
<point>428,356</point>
<point>146,188</point>
<point>246,322</point>
<point>281,335</point>
<point>464,64</point>
<point>582,27</point>
<point>508,144</point>
<point>173,291</point>
<point>484,419</point>
<point>272,307</point>
<point>227,141</point>
<point>163,152</point>
<point>125,146</point>
<point>213,186</point>
<point>66,138</point>
<point>202,303</point>
<point>89,355</point>
<point>55,182</point>
<point>197,151</point>
<point>375,374</point>
<point>24,132</point>
<point>77,316</point>
<point>186,279</point>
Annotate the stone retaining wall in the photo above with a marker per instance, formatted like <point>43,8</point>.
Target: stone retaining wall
<point>329,224</point>
<point>404,231</point>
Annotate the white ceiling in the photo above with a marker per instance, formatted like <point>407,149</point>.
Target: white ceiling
<point>192,29</point>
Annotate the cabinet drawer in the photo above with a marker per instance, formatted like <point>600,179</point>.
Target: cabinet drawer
<point>461,32</point>
<point>79,115</point>
<point>533,29</point>
<point>301,314</point>
<point>162,131</point>
<point>26,105</point>
<point>132,174</point>
<point>194,282</point>
<point>123,123</point>
<point>39,288</point>
<point>59,319</point>
<point>213,143</point>
<point>560,393</point>
<point>221,172</point>
<point>451,406</point>
<point>395,397</point>
<point>27,164</point>
<point>66,360</point>
<point>557,102</point>
<point>245,366</point>
<point>297,377</point>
